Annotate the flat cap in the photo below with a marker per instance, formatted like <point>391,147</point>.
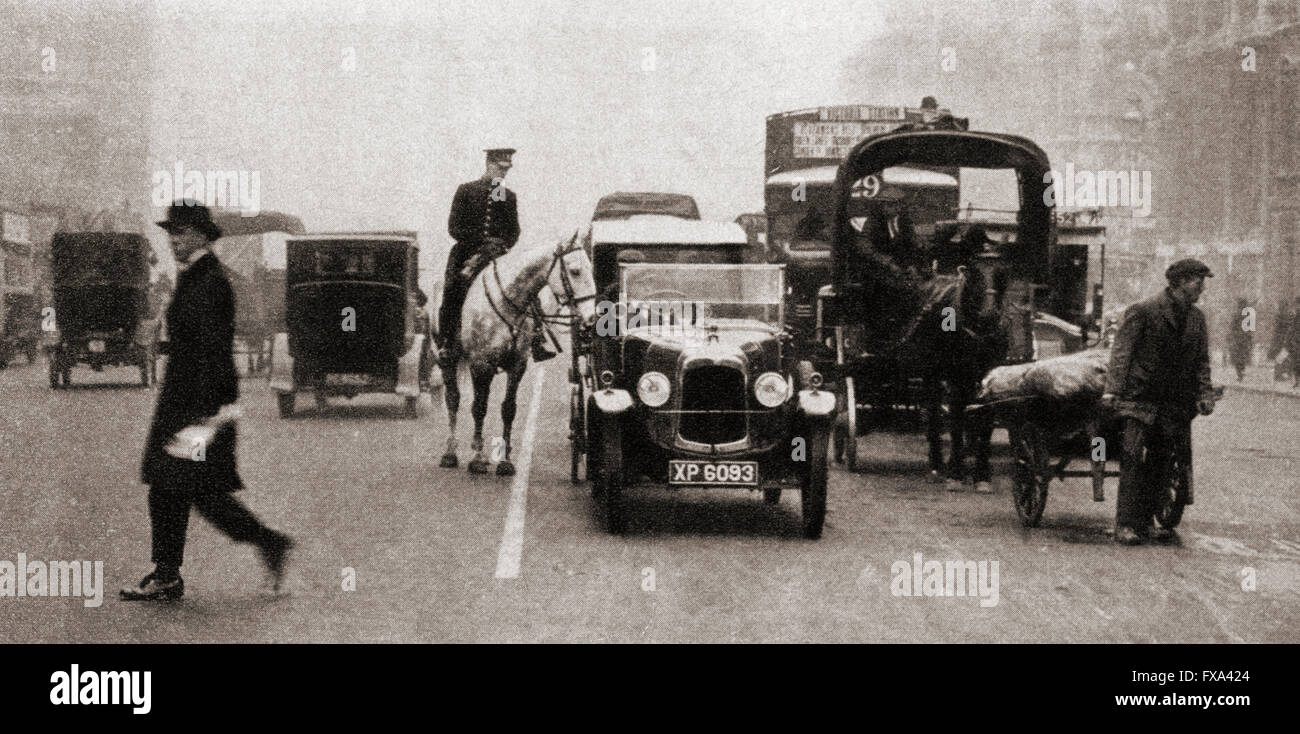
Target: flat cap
<point>1188,268</point>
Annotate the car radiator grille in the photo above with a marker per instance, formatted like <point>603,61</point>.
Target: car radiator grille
<point>713,388</point>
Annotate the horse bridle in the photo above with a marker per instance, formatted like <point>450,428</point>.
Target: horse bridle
<point>571,299</point>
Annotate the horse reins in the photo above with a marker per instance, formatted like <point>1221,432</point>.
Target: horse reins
<point>570,297</point>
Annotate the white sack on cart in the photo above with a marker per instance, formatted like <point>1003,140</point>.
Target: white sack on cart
<point>1066,376</point>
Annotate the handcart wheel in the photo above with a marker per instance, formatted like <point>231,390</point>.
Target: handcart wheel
<point>1032,473</point>
<point>1177,479</point>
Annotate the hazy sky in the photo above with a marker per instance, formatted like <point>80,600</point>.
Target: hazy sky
<point>264,86</point>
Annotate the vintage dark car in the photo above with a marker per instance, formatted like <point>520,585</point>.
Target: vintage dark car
<point>694,383</point>
<point>102,312</point>
<point>355,319</point>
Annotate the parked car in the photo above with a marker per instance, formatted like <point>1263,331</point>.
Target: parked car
<point>355,320</point>
<point>102,314</point>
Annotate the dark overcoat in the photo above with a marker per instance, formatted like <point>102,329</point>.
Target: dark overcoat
<point>1154,363</point>
<point>199,379</point>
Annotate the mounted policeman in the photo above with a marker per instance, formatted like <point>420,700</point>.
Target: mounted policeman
<point>484,222</point>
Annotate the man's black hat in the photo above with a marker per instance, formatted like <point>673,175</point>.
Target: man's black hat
<point>1187,268</point>
<point>186,213</point>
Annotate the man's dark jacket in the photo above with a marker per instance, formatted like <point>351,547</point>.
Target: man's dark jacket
<point>199,379</point>
<point>477,216</point>
<point>1156,365</point>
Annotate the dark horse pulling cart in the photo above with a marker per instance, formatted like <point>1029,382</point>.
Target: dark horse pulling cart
<point>893,325</point>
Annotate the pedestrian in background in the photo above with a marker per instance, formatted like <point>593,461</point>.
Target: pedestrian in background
<point>1158,380</point>
<point>1292,343</point>
<point>189,458</point>
<point>1240,339</point>
<point>1281,333</point>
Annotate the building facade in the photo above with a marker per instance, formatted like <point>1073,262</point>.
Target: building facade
<point>75,113</point>
<point>1229,77</point>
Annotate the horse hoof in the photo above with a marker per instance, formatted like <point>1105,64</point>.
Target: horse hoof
<point>505,469</point>
<point>478,466</point>
<point>449,461</point>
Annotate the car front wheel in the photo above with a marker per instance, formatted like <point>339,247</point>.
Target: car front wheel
<point>608,482</point>
<point>813,496</point>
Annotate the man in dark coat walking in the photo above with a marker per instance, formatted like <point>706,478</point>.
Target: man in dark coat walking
<point>484,222</point>
<point>1286,335</point>
<point>189,457</point>
<point>1158,380</point>
<point>1241,341</point>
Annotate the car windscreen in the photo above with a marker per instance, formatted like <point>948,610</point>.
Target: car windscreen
<point>705,295</point>
<point>346,260</point>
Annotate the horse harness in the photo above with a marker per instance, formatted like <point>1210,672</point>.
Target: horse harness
<point>570,297</point>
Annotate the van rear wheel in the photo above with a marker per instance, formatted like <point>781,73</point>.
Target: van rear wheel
<point>285,402</point>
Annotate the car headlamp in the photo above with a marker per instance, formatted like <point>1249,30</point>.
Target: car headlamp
<point>771,389</point>
<point>653,389</point>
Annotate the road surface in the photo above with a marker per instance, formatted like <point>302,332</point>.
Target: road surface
<point>438,555</point>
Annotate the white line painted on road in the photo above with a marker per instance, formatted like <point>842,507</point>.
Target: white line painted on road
<point>512,539</point>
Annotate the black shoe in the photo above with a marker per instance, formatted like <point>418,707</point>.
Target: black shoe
<point>1162,535</point>
<point>275,554</point>
<point>541,351</point>
<point>151,589</point>
<point>1125,535</point>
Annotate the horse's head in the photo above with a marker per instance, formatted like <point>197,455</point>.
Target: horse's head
<point>571,280</point>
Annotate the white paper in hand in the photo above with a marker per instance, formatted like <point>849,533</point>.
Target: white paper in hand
<point>191,443</point>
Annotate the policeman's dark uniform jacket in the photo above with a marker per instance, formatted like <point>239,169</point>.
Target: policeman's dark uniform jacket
<point>1159,370</point>
<point>482,211</point>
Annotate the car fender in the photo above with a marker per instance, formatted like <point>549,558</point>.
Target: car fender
<point>408,369</point>
<point>281,364</point>
<point>816,402</point>
<point>613,402</point>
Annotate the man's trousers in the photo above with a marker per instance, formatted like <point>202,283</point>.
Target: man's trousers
<point>1147,451</point>
<point>169,514</point>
